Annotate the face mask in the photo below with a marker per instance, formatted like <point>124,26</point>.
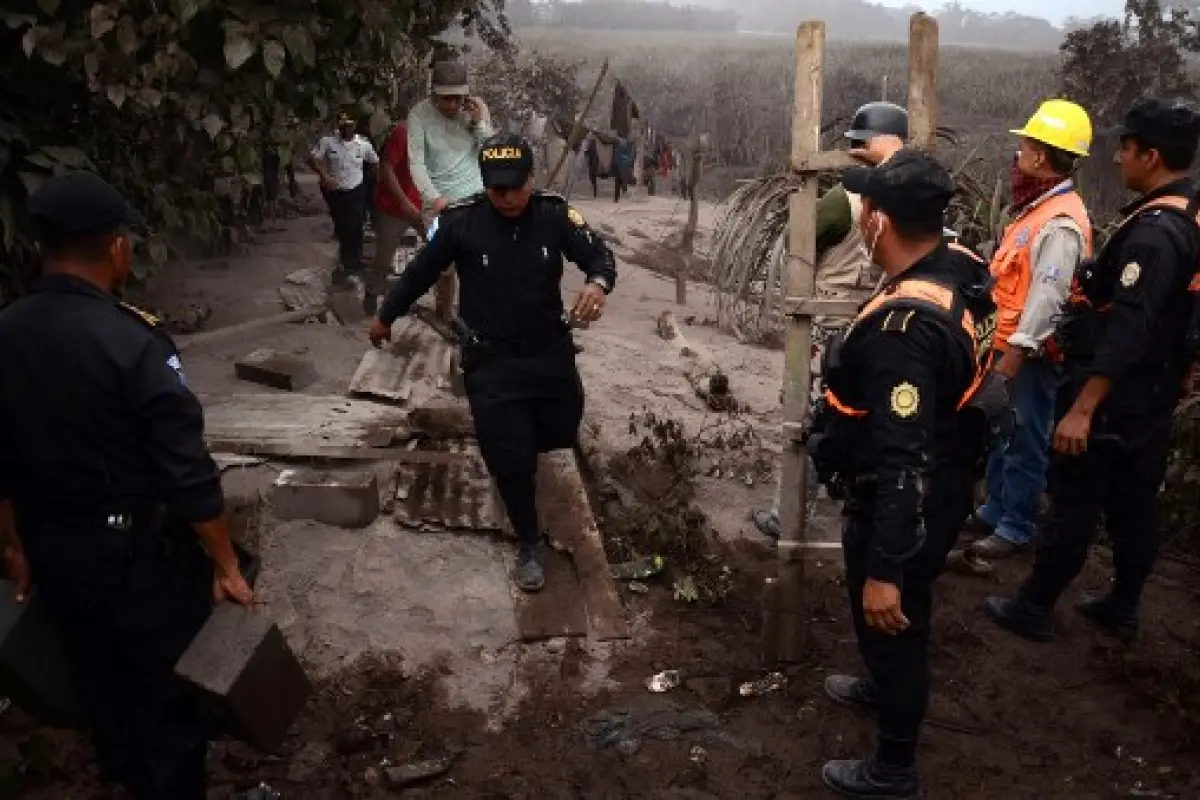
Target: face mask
<point>1026,189</point>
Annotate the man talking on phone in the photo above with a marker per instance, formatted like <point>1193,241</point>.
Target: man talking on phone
<point>518,360</point>
<point>445,133</point>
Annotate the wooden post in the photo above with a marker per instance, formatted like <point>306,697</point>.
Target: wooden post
<point>786,630</point>
<point>687,244</point>
<point>922,81</point>
<point>577,129</point>
<point>786,607</point>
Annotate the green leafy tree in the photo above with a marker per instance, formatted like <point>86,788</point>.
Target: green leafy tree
<point>181,103</point>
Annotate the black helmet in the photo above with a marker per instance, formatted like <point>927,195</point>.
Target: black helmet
<point>878,119</point>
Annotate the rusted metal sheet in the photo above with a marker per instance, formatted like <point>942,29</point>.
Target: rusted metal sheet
<point>455,496</point>
<point>300,425</point>
<point>417,364</point>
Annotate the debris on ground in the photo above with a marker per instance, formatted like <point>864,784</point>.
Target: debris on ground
<point>640,570</point>
<point>771,683</point>
<point>627,728</point>
<point>663,681</point>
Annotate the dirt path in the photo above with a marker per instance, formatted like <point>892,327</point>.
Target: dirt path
<point>1077,719</point>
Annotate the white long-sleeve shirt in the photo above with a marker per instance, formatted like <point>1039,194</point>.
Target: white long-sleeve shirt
<point>443,153</point>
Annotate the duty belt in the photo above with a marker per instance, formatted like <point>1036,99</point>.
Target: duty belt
<point>469,340</point>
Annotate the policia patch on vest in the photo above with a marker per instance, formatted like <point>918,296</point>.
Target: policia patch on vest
<point>906,400</point>
<point>575,217</point>
<point>1130,275</point>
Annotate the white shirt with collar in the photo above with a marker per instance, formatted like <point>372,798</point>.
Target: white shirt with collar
<point>344,159</point>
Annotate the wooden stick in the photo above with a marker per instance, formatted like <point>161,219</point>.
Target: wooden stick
<point>577,129</point>
<point>687,243</point>
<point>922,81</point>
<point>208,337</point>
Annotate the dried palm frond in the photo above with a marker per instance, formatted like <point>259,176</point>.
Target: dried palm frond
<point>748,252</point>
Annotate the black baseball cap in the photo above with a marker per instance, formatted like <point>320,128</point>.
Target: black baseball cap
<point>909,187</point>
<point>77,205</point>
<point>505,161</point>
<point>1159,121</point>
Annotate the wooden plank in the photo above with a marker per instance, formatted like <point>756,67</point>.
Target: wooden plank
<point>922,81</point>
<point>418,356</point>
<point>555,610</point>
<point>303,450</point>
<point>299,425</point>
<point>184,342</point>
<point>564,510</point>
<point>827,161</point>
<point>808,307</point>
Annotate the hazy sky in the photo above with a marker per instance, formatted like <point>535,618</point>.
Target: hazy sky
<point>1053,10</point>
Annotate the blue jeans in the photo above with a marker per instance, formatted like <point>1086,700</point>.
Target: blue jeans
<point>1016,473</point>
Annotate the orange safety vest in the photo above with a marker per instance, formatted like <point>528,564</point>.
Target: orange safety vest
<point>1012,265</point>
<point>911,296</point>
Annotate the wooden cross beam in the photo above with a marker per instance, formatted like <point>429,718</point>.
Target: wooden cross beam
<point>786,607</point>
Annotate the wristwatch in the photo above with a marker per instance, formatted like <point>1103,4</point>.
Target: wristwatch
<point>600,281</point>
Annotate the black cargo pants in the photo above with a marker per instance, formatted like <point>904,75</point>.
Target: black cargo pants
<point>899,665</point>
<point>1118,477</point>
<point>128,605</point>
<point>524,401</point>
<point>348,210</point>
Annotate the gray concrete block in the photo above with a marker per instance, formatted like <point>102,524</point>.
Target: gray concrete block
<point>241,664</point>
<point>347,500</point>
<point>33,664</point>
<point>277,370</point>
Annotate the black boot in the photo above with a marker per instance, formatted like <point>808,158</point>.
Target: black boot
<point>853,692</point>
<point>1021,617</point>
<point>871,780</point>
<point>1111,615</point>
<point>530,574</point>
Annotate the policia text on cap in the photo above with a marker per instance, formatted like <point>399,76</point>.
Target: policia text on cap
<point>518,359</point>
<point>109,491</point>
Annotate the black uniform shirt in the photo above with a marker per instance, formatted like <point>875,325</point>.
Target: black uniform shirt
<point>510,269</point>
<point>1145,272</point>
<point>95,414</point>
<point>908,371</point>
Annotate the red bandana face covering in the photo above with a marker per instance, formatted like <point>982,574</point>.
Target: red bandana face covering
<point>1026,189</point>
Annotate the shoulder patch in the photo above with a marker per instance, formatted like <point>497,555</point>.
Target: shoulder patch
<point>897,319</point>
<point>1131,274</point>
<point>906,400</point>
<point>575,217</point>
<point>144,316</point>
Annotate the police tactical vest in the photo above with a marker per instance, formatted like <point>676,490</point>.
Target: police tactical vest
<point>1013,263</point>
<point>903,300</point>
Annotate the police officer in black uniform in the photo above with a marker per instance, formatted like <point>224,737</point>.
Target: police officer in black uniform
<point>1128,338</point>
<point>518,359</point>
<point>895,383</point>
<point>114,498</point>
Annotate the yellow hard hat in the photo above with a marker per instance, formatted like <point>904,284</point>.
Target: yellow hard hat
<point>1061,124</point>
